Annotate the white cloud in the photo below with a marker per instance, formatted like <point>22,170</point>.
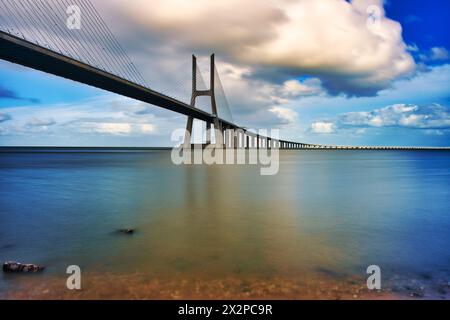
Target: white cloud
<point>412,47</point>
<point>104,127</point>
<point>439,53</point>
<point>295,88</point>
<point>435,54</point>
<point>322,127</point>
<point>107,115</point>
<point>114,128</point>
<point>4,117</point>
<point>41,122</point>
<point>286,115</point>
<point>337,41</point>
<point>432,116</point>
<point>147,128</point>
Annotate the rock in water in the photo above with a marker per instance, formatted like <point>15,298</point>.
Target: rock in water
<point>127,231</point>
<point>11,266</point>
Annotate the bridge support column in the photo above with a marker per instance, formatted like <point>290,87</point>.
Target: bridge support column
<point>218,134</point>
<point>208,133</point>
<point>225,138</point>
<point>218,126</point>
<point>188,135</point>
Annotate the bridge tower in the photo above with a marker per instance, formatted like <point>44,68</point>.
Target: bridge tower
<point>210,93</point>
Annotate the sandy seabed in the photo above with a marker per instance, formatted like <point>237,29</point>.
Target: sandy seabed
<point>141,286</point>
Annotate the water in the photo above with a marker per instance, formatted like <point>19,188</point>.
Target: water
<point>325,215</point>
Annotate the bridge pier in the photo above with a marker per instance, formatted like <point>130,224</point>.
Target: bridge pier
<point>188,136</point>
<point>208,133</point>
<point>226,138</point>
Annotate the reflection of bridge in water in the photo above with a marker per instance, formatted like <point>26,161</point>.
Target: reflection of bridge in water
<point>35,34</point>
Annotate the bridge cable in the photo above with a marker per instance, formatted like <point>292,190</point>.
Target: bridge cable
<point>13,21</point>
<point>113,40</point>
<point>82,38</point>
<point>223,101</point>
<point>72,45</point>
<point>48,33</point>
<point>58,45</point>
<point>23,15</point>
<point>112,67</point>
<point>20,22</point>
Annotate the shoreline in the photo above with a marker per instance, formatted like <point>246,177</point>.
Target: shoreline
<point>139,286</point>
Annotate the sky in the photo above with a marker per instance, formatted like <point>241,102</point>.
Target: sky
<point>363,72</point>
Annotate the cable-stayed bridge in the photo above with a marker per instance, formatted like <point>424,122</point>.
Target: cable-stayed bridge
<point>45,35</point>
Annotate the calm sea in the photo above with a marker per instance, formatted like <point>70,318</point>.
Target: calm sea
<point>330,213</point>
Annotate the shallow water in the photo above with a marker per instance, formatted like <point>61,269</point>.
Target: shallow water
<point>321,220</point>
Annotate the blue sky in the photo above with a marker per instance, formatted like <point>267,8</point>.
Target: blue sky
<point>335,72</point>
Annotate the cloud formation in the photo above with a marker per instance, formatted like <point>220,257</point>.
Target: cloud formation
<point>285,115</point>
<point>411,116</point>
<point>439,53</point>
<point>9,94</point>
<point>113,128</point>
<point>323,127</point>
<point>41,122</point>
<point>4,117</point>
<point>352,47</point>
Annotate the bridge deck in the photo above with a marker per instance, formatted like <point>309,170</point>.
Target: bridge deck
<point>28,54</point>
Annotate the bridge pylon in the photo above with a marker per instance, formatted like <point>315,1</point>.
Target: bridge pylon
<point>210,93</point>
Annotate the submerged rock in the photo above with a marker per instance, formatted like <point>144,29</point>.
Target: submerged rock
<point>12,266</point>
<point>126,231</point>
